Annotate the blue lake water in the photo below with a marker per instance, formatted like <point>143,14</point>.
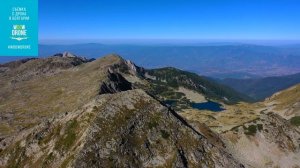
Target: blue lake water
<point>212,106</point>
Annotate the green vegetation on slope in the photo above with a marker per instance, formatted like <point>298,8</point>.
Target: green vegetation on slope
<point>295,120</point>
<point>65,142</point>
<point>252,129</point>
<point>171,78</point>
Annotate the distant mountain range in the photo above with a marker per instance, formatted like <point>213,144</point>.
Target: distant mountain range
<point>260,88</point>
<point>219,61</point>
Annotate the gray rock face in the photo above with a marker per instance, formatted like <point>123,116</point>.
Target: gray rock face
<point>128,67</point>
<point>280,131</point>
<point>126,129</point>
<point>68,55</point>
<point>134,130</point>
<point>114,83</point>
<point>270,141</point>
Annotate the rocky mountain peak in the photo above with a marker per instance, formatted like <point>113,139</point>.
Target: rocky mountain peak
<point>120,65</point>
<point>131,65</point>
<point>67,54</point>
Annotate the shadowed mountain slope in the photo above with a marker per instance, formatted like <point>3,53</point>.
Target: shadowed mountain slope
<point>262,88</point>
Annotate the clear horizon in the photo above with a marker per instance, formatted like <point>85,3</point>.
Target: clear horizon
<point>176,19</point>
<point>169,41</point>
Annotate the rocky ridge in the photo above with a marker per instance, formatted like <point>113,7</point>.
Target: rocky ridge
<point>114,125</point>
<point>269,141</point>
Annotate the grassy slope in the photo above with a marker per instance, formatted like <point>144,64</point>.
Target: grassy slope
<point>286,97</point>
<point>31,100</point>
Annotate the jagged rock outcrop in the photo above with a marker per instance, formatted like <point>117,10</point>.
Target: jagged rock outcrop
<point>134,130</point>
<point>114,83</point>
<point>127,67</point>
<point>270,141</point>
<point>77,58</point>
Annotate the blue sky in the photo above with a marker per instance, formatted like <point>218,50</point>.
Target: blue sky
<point>169,19</point>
